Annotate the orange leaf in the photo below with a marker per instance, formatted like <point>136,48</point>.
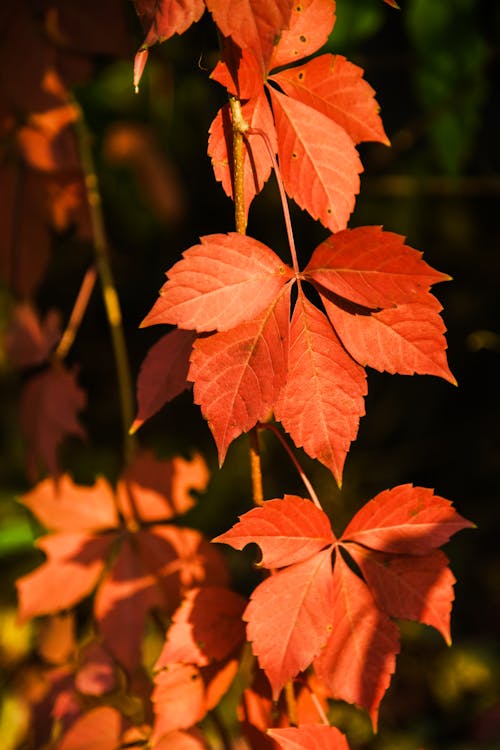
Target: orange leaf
<point>322,401</point>
<point>239,374</point>
<point>311,23</point>
<point>318,161</point>
<point>336,87</point>
<point>360,657</point>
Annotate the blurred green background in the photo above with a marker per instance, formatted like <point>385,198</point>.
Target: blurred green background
<point>435,68</point>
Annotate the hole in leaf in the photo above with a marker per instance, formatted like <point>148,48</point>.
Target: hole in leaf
<point>302,38</point>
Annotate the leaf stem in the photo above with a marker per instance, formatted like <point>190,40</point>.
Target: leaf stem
<point>291,703</point>
<point>75,319</point>
<point>300,470</point>
<point>317,704</point>
<point>256,468</point>
<point>284,202</point>
<point>110,296</point>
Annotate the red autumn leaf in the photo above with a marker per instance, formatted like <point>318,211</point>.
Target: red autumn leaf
<point>178,699</point>
<point>289,617</point>
<point>206,626</point>
<point>239,374</point>
<point>371,267</point>
<point>155,490</point>
<point>311,23</point>
<point>163,374</point>
<point>49,406</point>
<point>318,161</point>
<point>406,339</point>
<point>47,143</point>
<point>218,677</point>
<point>153,569</point>
<point>287,531</point>
<point>322,400</point>
<point>75,562</point>
<point>62,505</point>
<point>226,280</point>
<point>405,520</point>
<point>25,240</point>
<point>99,729</point>
<point>28,340</point>
<point>409,587</point>
<point>253,24</point>
<point>309,737</point>
<point>336,87</point>
<point>161,19</point>
<point>238,71</point>
<point>256,162</point>
<point>127,595</point>
<point>358,661</point>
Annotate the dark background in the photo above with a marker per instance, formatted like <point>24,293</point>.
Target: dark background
<point>435,68</point>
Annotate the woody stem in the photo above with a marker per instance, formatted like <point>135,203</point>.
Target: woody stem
<point>109,293</point>
<point>239,126</point>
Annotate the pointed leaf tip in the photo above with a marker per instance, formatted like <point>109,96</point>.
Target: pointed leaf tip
<point>140,61</point>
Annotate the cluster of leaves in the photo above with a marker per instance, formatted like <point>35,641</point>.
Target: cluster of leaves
<point>258,339</point>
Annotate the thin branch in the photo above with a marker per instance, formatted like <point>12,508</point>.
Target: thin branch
<point>300,470</point>
<point>284,202</point>
<point>317,705</point>
<point>110,296</point>
<point>221,728</point>
<point>291,703</point>
<point>75,319</point>
<point>256,468</point>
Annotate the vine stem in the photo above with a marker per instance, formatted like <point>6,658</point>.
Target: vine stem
<point>75,319</point>
<point>284,202</point>
<point>300,470</point>
<point>291,703</point>
<point>239,127</point>
<point>110,296</point>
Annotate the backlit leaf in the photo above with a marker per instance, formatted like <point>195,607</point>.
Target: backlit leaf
<point>311,23</point>
<point>287,531</point>
<point>410,588</point>
<point>371,267</point>
<point>161,19</point>
<point>322,401</point>
<point>406,339</point>
<point>62,505</point>
<point>239,374</point>
<point>318,161</point>
<point>206,626</point>
<point>405,520</point>
<point>50,403</point>
<point>226,280</point>
<point>289,618</point>
<point>75,562</point>
<point>163,374</point>
<point>178,699</point>
<point>336,87</point>
<point>309,737</point>
<point>98,729</point>
<point>157,490</point>
<point>359,659</point>
<point>255,24</point>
